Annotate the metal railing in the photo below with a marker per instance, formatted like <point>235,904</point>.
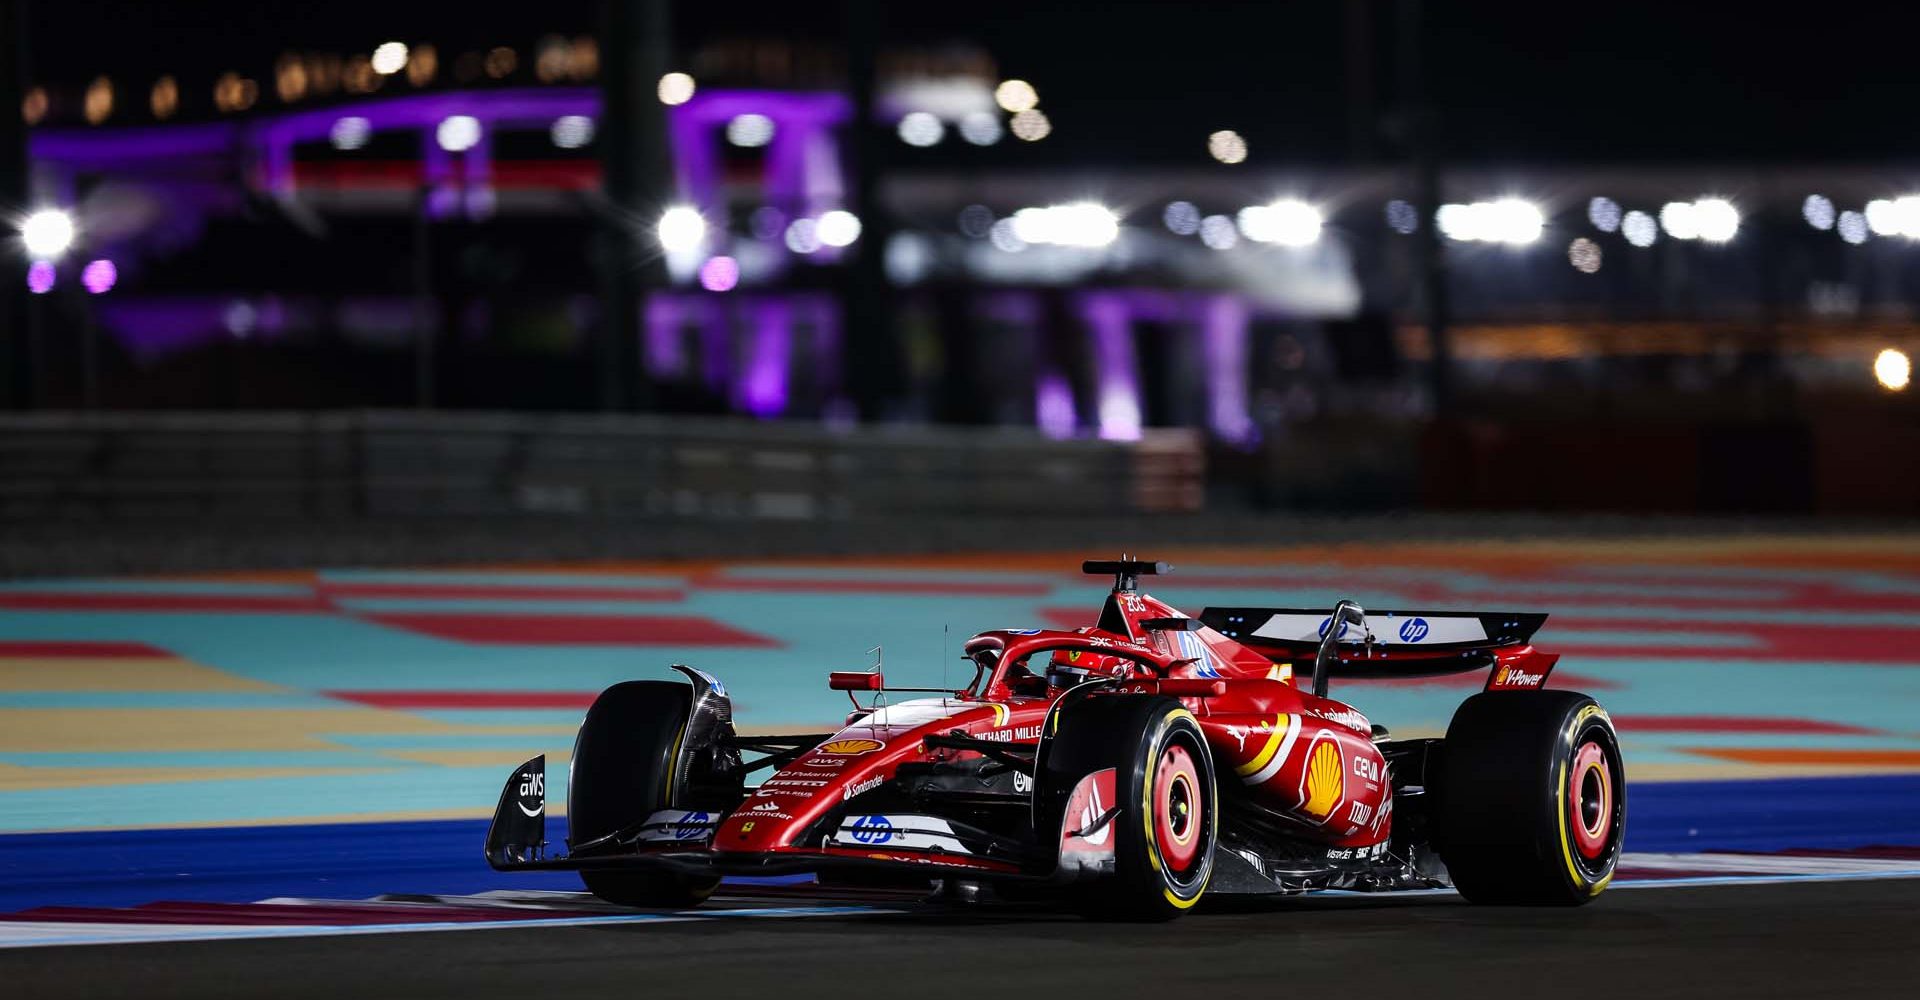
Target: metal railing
<point>381,464</point>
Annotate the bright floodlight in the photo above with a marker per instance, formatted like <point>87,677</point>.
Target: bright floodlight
<point>1584,255</point>
<point>458,133</point>
<point>803,236</point>
<point>1880,217</point>
<point>1892,369</point>
<point>1516,222</point>
<point>838,228</point>
<point>1295,223</point>
<point>750,130</point>
<point>1227,146</point>
<point>1288,222</point>
<point>1906,216</point>
<point>47,233</point>
<point>1217,232</point>
<point>1604,213</point>
<point>919,128</point>
<point>1716,219</point>
<point>1081,224</point>
<point>1639,228</point>
<point>572,131</point>
<point>1818,211</point>
<point>1016,96</point>
<point>1680,220</point>
<point>1509,220</point>
<point>1852,227</point>
<point>1004,236</point>
<point>675,88</point>
<point>390,58</point>
<point>681,229</point>
<point>1182,218</point>
<point>1031,125</point>
<point>980,128</point>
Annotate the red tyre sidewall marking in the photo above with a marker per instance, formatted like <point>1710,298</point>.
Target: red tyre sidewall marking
<point>1176,769</point>
<point>1591,842</point>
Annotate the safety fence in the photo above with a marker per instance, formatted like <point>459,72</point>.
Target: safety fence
<point>386,464</point>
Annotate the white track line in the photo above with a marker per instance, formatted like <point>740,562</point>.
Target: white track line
<point>32,934</point>
<point>24,934</point>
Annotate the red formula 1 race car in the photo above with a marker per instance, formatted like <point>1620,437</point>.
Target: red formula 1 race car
<point>1127,768</point>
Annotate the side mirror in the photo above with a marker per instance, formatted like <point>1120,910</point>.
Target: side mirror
<point>855,680</point>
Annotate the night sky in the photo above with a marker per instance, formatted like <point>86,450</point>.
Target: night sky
<point>1131,82</point>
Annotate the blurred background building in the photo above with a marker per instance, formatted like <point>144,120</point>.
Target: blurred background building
<point>1379,253</point>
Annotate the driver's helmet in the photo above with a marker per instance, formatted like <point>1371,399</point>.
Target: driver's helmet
<point>1070,667</point>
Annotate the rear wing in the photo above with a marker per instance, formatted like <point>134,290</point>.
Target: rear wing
<point>1389,644</point>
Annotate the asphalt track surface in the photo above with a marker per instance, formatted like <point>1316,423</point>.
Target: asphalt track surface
<point>1764,940</point>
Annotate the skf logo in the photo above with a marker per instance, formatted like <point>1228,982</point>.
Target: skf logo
<point>1324,782</point>
<point>850,747</point>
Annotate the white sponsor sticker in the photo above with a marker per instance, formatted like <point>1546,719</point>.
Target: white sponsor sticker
<point>894,831</point>
<point>1397,630</point>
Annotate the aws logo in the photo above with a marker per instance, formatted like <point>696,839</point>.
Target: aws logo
<point>850,747</point>
<point>533,788</point>
<point>1323,784</point>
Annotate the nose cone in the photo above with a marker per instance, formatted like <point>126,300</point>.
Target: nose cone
<point>796,796</point>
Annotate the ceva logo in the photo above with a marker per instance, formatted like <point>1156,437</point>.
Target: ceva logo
<point>1413,630</point>
<point>872,829</point>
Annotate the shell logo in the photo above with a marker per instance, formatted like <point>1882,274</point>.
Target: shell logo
<point>1501,677</point>
<point>1325,780</point>
<point>846,747</point>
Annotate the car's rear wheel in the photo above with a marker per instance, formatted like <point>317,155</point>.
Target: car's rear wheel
<point>1533,798</point>
<point>623,770</point>
<point>1168,821</point>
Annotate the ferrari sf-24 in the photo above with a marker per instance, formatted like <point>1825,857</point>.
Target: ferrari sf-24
<point>1127,769</point>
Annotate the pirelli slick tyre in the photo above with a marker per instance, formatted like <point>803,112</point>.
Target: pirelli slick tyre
<point>1168,820</point>
<point>1532,800</point>
<point>623,764</point>
<point>650,888</point>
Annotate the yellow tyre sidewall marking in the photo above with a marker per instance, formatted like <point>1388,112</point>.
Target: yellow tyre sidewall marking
<point>1560,802</point>
<point>1146,812</point>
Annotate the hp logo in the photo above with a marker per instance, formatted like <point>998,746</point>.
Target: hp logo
<point>1413,630</point>
<point>691,826</point>
<point>872,829</point>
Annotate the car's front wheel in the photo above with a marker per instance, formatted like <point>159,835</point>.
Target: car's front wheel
<point>1168,820</point>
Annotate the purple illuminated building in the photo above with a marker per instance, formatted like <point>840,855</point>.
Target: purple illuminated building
<point>770,346</point>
